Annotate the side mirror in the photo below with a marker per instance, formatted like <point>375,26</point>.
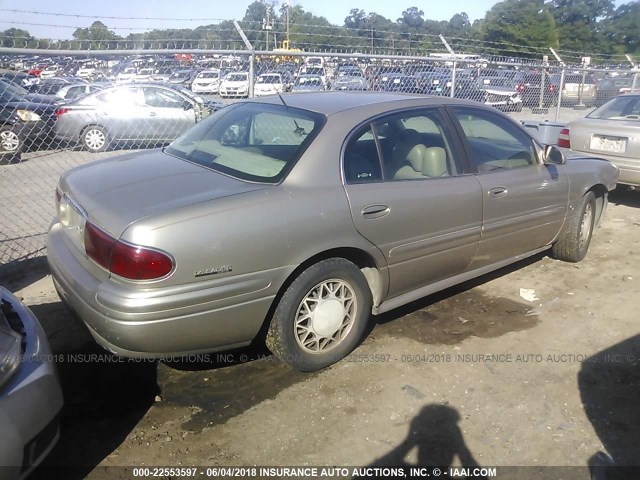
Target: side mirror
<point>554,156</point>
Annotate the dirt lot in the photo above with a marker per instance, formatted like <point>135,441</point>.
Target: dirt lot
<point>558,381</point>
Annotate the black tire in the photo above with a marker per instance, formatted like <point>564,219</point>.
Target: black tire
<point>574,240</point>
<point>294,338</point>
<point>95,138</point>
<point>11,144</point>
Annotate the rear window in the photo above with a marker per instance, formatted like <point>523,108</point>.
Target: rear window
<point>626,107</point>
<point>578,79</point>
<point>250,141</point>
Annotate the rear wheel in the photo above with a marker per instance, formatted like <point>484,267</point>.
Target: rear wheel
<point>95,139</point>
<point>573,243</point>
<point>321,317</point>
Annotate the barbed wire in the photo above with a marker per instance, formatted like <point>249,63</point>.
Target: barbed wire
<point>379,40</point>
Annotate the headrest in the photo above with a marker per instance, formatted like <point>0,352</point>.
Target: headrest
<point>434,162</point>
<point>416,156</point>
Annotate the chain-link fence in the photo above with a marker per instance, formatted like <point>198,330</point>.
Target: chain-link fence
<point>63,108</point>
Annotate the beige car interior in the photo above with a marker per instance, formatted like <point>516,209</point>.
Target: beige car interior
<point>411,160</point>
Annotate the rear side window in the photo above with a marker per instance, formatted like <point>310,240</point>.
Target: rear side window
<point>412,145</point>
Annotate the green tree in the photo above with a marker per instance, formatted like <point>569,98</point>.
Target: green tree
<point>519,27</point>
<point>622,29</point>
<point>580,24</point>
<point>15,38</point>
<point>97,36</point>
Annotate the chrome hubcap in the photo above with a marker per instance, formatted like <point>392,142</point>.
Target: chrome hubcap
<point>325,316</point>
<point>585,225</point>
<point>94,139</point>
<point>9,141</point>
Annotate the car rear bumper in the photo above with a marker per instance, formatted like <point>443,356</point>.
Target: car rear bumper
<point>205,316</point>
<point>629,168</point>
<point>30,402</point>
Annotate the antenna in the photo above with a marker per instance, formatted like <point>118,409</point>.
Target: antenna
<point>282,100</point>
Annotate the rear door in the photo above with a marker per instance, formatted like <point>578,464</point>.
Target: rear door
<point>524,202</point>
<point>410,194</point>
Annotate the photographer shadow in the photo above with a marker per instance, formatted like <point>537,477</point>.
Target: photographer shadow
<point>609,384</point>
<point>435,433</point>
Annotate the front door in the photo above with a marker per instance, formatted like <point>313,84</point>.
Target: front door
<point>523,201</point>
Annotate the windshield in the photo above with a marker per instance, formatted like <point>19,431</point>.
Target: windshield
<point>269,79</point>
<point>317,81</point>
<point>237,77</point>
<point>208,75</point>
<point>619,108</point>
<point>495,82</point>
<point>352,72</point>
<point>11,91</point>
<point>250,141</point>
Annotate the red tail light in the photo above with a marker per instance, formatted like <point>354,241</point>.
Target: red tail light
<point>552,88</point>
<point>61,111</point>
<point>563,138</point>
<point>521,88</point>
<point>126,260</point>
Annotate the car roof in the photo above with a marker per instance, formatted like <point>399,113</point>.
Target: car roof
<point>329,103</point>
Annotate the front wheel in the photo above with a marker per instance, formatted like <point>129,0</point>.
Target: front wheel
<point>321,317</point>
<point>10,144</point>
<point>573,243</point>
<point>95,139</point>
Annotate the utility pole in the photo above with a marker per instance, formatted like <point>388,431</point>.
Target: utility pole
<point>372,41</point>
<point>288,8</point>
<point>267,24</point>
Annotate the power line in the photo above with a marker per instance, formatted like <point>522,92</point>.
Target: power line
<point>98,17</point>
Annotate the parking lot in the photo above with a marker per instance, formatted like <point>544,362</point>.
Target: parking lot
<point>482,373</point>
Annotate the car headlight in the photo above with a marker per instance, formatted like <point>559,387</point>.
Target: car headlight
<point>10,348</point>
<point>28,115</point>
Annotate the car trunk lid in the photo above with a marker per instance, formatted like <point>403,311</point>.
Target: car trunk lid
<point>114,193</point>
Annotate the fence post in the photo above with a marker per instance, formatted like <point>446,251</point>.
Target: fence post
<point>252,59</point>
<point>453,80</point>
<point>559,102</point>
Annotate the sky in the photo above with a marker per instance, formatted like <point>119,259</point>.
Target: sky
<point>59,19</point>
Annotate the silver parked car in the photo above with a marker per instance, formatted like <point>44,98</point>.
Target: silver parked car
<point>30,393</point>
<point>151,113</point>
<point>611,131</point>
<point>302,215</point>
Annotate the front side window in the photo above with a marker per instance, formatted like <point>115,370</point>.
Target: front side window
<point>494,142</point>
<point>249,141</point>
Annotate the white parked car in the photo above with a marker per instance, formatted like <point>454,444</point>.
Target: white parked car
<point>269,84</point>
<point>207,81</point>
<point>127,75</point>
<point>144,75</point>
<point>235,84</point>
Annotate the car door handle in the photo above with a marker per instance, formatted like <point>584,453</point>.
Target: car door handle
<point>498,192</point>
<point>375,211</point>
<point>152,114</point>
